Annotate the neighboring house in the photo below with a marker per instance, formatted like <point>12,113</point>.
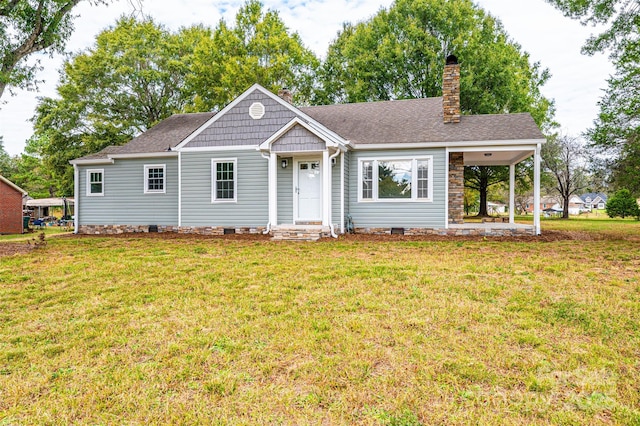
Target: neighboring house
<point>546,202</point>
<point>263,164</point>
<point>11,196</point>
<point>553,204</point>
<point>594,200</point>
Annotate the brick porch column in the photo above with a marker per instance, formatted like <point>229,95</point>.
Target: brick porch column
<point>456,187</point>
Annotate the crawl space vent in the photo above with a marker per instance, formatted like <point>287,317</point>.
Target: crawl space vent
<point>256,110</point>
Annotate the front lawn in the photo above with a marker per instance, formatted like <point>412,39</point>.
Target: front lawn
<point>146,330</point>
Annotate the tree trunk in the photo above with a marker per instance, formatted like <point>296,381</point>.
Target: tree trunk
<point>565,208</point>
<point>484,185</point>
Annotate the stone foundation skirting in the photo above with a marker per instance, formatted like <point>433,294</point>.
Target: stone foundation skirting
<point>202,230</point>
<point>468,232</point>
<point>220,230</point>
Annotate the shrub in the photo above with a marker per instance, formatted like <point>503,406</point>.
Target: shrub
<point>623,204</point>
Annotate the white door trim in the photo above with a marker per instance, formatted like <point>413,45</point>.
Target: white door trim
<point>296,165</point>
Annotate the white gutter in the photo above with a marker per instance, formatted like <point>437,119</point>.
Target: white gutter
<point>468,145</point>
<point>91,162</point>
<point>144,155</point>
<point>76,191</point>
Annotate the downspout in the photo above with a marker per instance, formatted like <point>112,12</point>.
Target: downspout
<point>331,228</point>
<point>268,228</point>
<point>342,192</point>
<point>179,189</point>
<point>76,195</point>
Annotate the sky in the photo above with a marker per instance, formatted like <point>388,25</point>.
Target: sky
<point>576,83</point>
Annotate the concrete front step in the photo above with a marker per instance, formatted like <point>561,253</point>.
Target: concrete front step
<point>298,232</point>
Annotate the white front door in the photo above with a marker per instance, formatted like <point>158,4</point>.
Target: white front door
<point>308,190</point>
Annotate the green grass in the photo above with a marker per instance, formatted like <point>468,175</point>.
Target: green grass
<point>215,331</point>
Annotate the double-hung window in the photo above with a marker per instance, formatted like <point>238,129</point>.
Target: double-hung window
<point>224,179</point>
<point>396,179</point>
<point>95,182</point>
<point>154,179</point>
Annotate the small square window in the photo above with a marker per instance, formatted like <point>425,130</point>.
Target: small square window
<point>95,182</point>
<point>154,179</point>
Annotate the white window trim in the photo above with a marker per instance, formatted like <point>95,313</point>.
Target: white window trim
<point>414,180</point>
<point>214,188</point>
<point>146,178</point>
<point>94,194</point>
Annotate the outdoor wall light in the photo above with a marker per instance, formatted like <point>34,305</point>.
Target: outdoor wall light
<point>285,163</point>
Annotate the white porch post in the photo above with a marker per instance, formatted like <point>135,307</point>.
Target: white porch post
<point>326,184</point>
<point>273,189</point>
<point>512,192</point>
<point>536,190</point>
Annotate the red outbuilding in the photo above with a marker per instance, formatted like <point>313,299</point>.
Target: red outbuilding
<point>11,196</point>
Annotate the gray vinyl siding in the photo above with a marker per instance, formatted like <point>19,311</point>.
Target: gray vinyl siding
<point>237,128</point>
<point>298,139</point>
<point>400,214</point>
<point>285,192</point>
<point>124,201</point>
<point>252,205</point>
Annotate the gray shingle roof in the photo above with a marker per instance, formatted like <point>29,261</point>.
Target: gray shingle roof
<point>404,121</point>
<point>166,134</point>
<point>418,120</point>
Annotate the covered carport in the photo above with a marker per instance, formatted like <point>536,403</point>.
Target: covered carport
<point>46,207</point>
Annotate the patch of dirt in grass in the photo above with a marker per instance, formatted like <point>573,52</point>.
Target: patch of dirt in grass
<point>547,236</point>
<point>9,249</point>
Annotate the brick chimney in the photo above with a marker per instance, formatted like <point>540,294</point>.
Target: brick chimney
<point>451,90</point>
<point>286,95</point>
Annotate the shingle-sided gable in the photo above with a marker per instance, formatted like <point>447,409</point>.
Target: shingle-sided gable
<point>298,139</point>
<point>235,127</point>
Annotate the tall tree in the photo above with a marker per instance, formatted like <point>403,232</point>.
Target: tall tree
<point>400,53</point>
<point>133,77</point>
<point>564,158</point>
<point>621,19</point>
<point>6,165</point>
<point>616,130</point>
<point>257,49</point>
<point>29,26</point>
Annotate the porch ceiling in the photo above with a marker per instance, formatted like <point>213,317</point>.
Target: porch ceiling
<point>491,157</point>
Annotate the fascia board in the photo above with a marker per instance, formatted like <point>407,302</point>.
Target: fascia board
<point>91,162</point>
<point>459,146</point>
